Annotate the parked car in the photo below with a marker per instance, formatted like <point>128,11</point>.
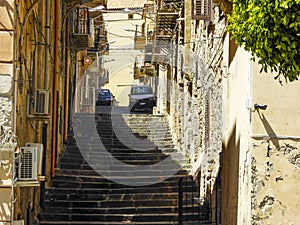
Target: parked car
<point>141,98</point>
<point>105,98</point>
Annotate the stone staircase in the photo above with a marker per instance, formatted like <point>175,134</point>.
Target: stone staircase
<point>121,169</point>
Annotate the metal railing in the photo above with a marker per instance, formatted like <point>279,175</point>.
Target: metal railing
<point>88,96</point>
<point>190,205</point>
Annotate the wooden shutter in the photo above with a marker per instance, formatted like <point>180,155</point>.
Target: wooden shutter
<point>201,9</point>
<point>207,120</point>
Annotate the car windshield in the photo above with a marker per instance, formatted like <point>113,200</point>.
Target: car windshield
<point>105,93</point>
<point>141,90</point>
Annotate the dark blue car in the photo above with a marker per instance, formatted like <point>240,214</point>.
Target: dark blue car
<point>105,98</point>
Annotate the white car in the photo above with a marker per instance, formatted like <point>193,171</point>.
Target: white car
<point>141,98</point>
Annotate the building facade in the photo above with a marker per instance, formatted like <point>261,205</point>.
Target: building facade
<point>237,128</point>
<point>211,91</point>
<point>44,47</point>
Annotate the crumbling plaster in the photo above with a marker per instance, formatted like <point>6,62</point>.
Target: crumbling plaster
<point>276,181</point>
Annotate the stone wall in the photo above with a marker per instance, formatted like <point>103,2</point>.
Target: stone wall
<point>6,62</point>
<point>194,91</point>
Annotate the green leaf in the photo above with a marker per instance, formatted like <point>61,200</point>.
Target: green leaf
<point>270,30</point>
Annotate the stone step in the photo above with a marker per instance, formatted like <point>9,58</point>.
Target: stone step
<point>121,190</point>
<point>150,136</point>
<point>142,134</point>
<point>110,203</point>
<point>65,174</point>
<point>125,218</point>
<point>116,210</point>
<point>109,182</point>
<point>115,197</point>
<point>84,156</point>
<point>96,150</point>
<point>81,195</point>
<point>97,159</point>
<point>121,121</point>
<point>122,223</point>
<point>112,161</point>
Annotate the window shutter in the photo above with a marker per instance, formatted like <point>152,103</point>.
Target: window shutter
<point>207,120</point>
<point>201,9</point>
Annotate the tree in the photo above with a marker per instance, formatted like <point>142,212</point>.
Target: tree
<point>270,29</point>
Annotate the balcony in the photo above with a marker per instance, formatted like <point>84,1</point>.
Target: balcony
<point>100,44</point>
<point>82,41</point>
<point>82,37</point>
<point>165,30</point>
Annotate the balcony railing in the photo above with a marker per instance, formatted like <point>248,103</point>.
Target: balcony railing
<point>82,37</point>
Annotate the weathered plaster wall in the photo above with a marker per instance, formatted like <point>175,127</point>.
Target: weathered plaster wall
<point>275,152</point>
<point>6,62</point>
<point>32,70</point>
<point>276,181</point>
<point>6,111</point>
<point>236,204</point>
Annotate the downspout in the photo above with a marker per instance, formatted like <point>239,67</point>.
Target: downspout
<point>47,27</point>
<point>44,142</point>
<point>55,84</point>
<point>16,77</point>
<point>66,97</point>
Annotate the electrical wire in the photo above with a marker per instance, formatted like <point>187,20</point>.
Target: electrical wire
<point>123,36</point>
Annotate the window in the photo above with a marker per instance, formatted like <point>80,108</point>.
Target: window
<point>130,16</point>
<point>201,9</point>
<point>81,21</point>
<point>141,90</point>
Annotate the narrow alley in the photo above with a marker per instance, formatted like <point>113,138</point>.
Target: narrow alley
<point>149,112</point>
<point>91,188</point>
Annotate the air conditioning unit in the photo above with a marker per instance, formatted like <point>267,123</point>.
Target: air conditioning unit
<point>27,168</point>
<point>40,152</point>
<point>41,103</point>
<point>18,222</point>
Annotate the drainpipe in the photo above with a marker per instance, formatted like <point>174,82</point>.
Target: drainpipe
<point>47,27</point>
<point>66,97</point>
<point>44,142</point>
<point>55,84</point>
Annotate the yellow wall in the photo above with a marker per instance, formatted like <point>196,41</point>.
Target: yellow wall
<point>281,118</point>
<point>236,203</point>
<point>276,144</point>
